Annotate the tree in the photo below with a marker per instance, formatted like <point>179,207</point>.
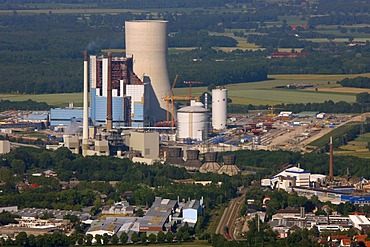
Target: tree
<point>5,174</point>
<point>169,237</point>
<point>98,239</point>
<point>143,237</point>
<point>88,239</point>
<point>160,237</point>
<point>115,239</point>
<point>21,239</point>
<point>152,238</point>
<point>363,98</point>
<point>134,237</point>
<point>211,86</point>
<point>123,238</point>
<point>106,239</point>
<point>139,213</point>
<point>18,166</point>
<point>80,238</point>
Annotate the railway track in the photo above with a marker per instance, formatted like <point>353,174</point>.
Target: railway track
<point>229,217</point>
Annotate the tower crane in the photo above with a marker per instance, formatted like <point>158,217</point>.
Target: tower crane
<point>170,100</point>
<point>272,111</point>
<point>191,83</point>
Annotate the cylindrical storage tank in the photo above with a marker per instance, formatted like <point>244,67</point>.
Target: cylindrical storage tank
<point>192,123</point>
<point>229,159</point>
<point>219,108</point>
<point>174,152</point>
<point>192,154</point>
<point>210,157</point>
<point>146,42</point>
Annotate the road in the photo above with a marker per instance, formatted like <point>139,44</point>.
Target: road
<point>230,215</point>
<point>17,145</point>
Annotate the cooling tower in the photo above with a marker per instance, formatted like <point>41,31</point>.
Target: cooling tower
<point>146,42</point>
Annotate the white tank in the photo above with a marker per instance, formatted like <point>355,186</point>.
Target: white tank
<point>219,108</point>
<point>192,123</point>
<point>146,41</point>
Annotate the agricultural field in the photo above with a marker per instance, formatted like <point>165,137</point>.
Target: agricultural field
<point>358,147</point>
<point>57,100</point>
<point>264,92</point>
<point>255,93</point>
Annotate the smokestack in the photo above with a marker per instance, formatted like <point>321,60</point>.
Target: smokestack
<point>85,131</point>
<point>331,176</point>
<point>109,93</point>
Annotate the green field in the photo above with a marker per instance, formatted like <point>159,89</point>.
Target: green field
<point>357,147</point>
<point>58,100</point>
<point>261,93</point>
<point>256,93</point>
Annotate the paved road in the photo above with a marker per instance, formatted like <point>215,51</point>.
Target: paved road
<point>17,144</point>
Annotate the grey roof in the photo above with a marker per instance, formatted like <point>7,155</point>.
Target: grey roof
<point>193,204</point>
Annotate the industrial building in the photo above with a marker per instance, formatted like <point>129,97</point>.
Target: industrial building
<point>163,216</point>
<point>65,116</point>
<point>113,78</point>
<point>146,143</point>
<point>293,176</point>
<point>4,146</point>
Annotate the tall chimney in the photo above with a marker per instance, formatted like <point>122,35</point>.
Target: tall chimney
<point>331,176</point>
<point>85,131</point>
<point>109,93</point>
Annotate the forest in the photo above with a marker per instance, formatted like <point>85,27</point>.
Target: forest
<point>94,174</point>
<point>46,49</point>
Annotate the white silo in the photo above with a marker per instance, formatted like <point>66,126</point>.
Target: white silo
<point>192,122</point>
<point>219,108</point>
<point>146,41</point>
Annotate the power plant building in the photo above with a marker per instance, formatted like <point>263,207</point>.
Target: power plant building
<point>146,44</point>
<point>122,78</point>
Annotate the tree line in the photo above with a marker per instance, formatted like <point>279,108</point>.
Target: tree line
<point>23,105</point>
<point>358,82</point>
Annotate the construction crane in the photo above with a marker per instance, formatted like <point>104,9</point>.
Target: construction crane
<point>170,100</point>
<point>272,111</point>
<point>191,83</point>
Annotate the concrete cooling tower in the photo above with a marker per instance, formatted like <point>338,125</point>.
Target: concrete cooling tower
<point>146,42</point>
